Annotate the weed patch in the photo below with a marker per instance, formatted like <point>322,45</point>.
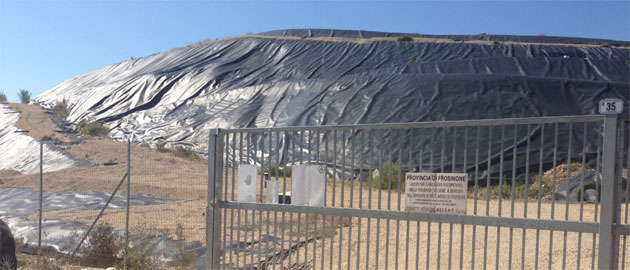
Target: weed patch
<point>278,171</point>
<point>384,181</point>
<point>184,257</point>
<point>161,147</point>
<point>138,258</point>
<point>185,153</point>
<point>405,38</point>
<point>101,249</point>
<point>92,129</point>
<point>61,109</point>
<point>328,225</point>
<point>546,184</point>
<point>179,151</point>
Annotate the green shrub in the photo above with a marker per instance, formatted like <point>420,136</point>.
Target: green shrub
<point>101,248</point>
<point>25,96</point>
<point>178,151</point>
<point>506,190</point>
<point>384,173</point>
<point>604,45</point>
<point>3,97</point>
<point>161,147</point>
<point>184,257</point>
<point>278,171</point>
<point>61,108</point>
<point>138,258</point>
<point>405,38</point>
<point>92,129</point>
<point>185,153</point>
<point>546,184</point>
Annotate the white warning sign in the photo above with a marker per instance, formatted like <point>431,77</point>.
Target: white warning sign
<point>246,189</point>
<point>308,184</point>
<point>442,193</point>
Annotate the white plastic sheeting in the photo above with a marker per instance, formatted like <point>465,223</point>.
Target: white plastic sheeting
<point>178,95</point>
<point>21,152</point>
<point>16,203</point>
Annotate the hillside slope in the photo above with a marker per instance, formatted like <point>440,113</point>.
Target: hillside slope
<point>327,77</point>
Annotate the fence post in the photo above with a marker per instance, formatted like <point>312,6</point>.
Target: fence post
<point>128,200</point>
<point>41,197</point>
<point>608,243</point>
<point>213,215</point>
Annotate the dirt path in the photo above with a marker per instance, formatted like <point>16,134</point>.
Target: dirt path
<point>36,122</point>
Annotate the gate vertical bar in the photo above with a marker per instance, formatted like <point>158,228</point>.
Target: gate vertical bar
<point>607,255</point>
<point>619,189</point>
<point>213,221</point>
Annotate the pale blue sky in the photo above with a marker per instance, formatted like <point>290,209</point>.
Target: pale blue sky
<point>43,43</point>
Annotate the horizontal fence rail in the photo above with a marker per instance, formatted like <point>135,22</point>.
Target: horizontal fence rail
<point>436,124</point>
<point>533,197</point>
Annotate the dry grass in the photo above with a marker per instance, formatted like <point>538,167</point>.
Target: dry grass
<point>415,39</point>
<point>562,173</point>
<point>35,120</point>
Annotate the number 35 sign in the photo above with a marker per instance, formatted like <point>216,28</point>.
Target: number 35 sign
<point>611,106</point>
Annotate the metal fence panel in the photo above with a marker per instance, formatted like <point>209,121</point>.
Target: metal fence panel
<point>533,196</point>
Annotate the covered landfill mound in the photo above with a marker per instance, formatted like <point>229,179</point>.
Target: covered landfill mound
<point>309,77</point>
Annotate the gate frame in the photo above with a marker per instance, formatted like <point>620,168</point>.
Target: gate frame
<point>609,229</point>
<point>213,213</point>
<point>608,236</point>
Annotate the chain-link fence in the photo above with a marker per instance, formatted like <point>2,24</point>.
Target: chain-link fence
<point>89,217</point>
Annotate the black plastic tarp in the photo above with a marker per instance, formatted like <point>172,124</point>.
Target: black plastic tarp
<point>178,95</point>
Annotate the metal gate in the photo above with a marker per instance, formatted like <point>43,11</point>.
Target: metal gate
<point>543,192</point>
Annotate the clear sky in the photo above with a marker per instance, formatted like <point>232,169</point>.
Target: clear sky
<point>43,43</point>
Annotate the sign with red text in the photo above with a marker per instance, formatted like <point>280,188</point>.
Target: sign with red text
<point>440,193</point>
